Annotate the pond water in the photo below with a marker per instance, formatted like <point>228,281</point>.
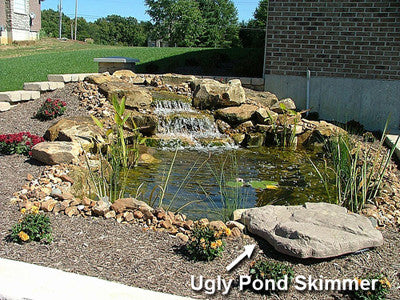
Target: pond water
<point>195,177</point>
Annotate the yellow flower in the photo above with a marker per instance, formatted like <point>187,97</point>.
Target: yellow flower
<point>262,274</point>
<point>23,210</point>
<point>385,281</point>
<point>203,245</point>
<point>202,240</point>
<point>228,232</point>
<point>213,245</point>
<point>23,236</point>
<point>219,243</point>
<point>216,234</point>
<point>35,210</point>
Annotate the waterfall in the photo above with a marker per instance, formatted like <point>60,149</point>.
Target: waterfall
<point>178,120</point>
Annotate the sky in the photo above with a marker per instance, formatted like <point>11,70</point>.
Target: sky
<point>94,9</point>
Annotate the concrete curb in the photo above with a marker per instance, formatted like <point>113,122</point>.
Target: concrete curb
<point>20,280</point>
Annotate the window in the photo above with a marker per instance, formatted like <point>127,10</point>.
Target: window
<point>20,6</point>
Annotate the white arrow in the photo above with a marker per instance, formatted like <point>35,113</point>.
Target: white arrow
<point>248,251</point>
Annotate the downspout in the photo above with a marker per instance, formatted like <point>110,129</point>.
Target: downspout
<point>308,91</point>
<point>265,44</point>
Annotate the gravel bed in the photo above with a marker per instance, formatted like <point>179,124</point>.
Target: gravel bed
<point>151,260</point>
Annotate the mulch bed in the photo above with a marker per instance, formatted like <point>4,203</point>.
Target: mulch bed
<point>145,259</point>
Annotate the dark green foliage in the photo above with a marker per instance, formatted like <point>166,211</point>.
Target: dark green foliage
<point>263,269</point>
<point>205,23</point>
<point>35,225</point>
<point>111,30</point>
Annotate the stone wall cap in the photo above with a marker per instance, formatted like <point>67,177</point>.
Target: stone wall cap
<point>116,59</point>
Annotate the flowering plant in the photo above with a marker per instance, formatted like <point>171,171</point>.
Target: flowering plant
<point>18,143</point>
<point>51,109</point>
<point>382,287</point>
<point>206,243</point>
<point>33,226</point>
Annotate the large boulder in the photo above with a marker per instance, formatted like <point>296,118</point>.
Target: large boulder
<point>53,153</point>
<point>236,115</point>
<point>81,130</point>
<point>136,96</point>
<point>176,79</point>
<point>266,99</point>
<point>209,94</point>
<point>146,122</point>
<point>314,230</point>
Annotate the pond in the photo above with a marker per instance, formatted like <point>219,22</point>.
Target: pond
<point>195,178</point>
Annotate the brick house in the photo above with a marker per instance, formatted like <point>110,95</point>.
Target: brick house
<point>19,20</point>
<point>350,47</point>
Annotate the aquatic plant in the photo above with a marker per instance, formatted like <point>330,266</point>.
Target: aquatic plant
<point>358,169</point>
<point>284,127</point>
<point>230,196</point>
<point>111,177</point>
<point>158,192</point>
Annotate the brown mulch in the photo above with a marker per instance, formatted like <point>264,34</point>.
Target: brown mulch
<point>151,260</point>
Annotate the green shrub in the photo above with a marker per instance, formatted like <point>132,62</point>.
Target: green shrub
<point>205,243</point>
<point>51,109</point>
<point>262,269</point>
<point>382,287</point>
<point>33,226</point>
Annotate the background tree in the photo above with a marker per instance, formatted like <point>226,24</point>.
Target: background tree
<point>252,33</point>
<point>221,28</point>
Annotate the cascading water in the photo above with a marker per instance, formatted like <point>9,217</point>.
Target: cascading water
<point>178,120</point>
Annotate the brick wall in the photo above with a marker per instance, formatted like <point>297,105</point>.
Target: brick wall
<point>2,13</point>
<point>341,38</point>
<point>34,7</point>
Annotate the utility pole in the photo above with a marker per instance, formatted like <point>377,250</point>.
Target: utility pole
<point>60,25</point>
<point>76,17</point>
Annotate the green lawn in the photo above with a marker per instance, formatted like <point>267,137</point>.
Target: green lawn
<point>19,64</point>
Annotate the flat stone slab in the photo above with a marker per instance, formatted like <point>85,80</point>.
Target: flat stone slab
<point>116,59</point>
<point>391,140</point>
<point>43,86</point>
<point>314,230</point>
<point>27,281</point>
<point>69,77</point>
<point>4,106</point>
<point>18,96</point>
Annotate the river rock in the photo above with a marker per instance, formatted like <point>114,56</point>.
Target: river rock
<point>176,79</point>
<point>124,73</point>
<point>123,204</point>
<point>266,99</point>
<point>99,78</point>
<point>136,96</point>
<point>236,114</point>
<point>147,158</point>
<point>287,103</point>
<point>312,230</point>
<point>81,130</point>
<point>264,115</point>
<point>146,123</point>
<point>101,208</point>
<point>53,153</point>
<point>209,94</point>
